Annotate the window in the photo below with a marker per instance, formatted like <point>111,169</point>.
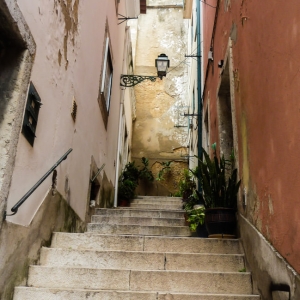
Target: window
<point>31,114</point>
<point>107,76</point>
<point>106,80</point>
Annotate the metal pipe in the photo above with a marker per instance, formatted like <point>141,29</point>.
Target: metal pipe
<point>118,156</point>
<point>99,170</point>
<point>199,79</point>
<point>15,208</point>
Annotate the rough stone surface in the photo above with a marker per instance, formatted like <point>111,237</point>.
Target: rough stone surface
<point>191,245</point>
<point>140,213</point>
<point>157,206</point>
<point>198,282</point>
<point>267,265</point>
<point>204,262</point>
<point>103,259</point>
<point>139,229</point>
<point>20,246</point>
<point>157,200</point>
<point>97,241</point>
<point>40,276</point>
<point>139,221</point>
<point>140,260</point>
<point>56,294</point>
<point>157,131</point>
<point>117,266</point>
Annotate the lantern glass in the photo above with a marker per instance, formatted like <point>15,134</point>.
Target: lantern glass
<point>162,63</point>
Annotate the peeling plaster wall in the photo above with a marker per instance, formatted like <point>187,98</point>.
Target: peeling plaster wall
<point>66,40</point>
<point>70,36</point>
<point>160,104</point>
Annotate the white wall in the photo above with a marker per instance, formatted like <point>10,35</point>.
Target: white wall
<point>193,86</point>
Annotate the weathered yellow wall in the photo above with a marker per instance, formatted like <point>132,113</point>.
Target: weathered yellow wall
<point>161,104</point>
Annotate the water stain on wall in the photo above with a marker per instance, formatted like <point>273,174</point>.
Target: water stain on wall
<point>70,12</point>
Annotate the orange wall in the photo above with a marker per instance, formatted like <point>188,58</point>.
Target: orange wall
<point>267,65</point>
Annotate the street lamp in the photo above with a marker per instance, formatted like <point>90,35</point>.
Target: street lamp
<point>161,63</point>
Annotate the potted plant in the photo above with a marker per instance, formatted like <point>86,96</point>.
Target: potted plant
<point>187,185</point>
<point>218,177</point>
<point>145,173</point>
<point>195,215</point>
<point>126,192</point>
<point>128,182</point>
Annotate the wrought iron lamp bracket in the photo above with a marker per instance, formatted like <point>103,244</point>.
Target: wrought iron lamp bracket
<point>124,19</point>
<point>132,80</point>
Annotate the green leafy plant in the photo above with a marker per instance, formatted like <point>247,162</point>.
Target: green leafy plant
<point>187,184</point>
<point>128,182</point>
<point>164,170</point>
<point>126,190</point>
<point>145,173</point>
<point>218,178</point>
<point>191,202</point>
<point>130,172</point>
<point>196,217</point>
<point>177,194</point>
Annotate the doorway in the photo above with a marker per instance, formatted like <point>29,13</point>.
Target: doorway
<point>225,114</point>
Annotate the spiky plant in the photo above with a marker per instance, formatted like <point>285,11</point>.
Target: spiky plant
<point>218,178</point>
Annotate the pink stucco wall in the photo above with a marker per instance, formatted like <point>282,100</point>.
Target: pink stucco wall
<point>266,79</point>
<point>69,36</point>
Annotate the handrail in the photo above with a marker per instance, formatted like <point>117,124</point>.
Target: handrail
<point>15,208</point>
<point>99,170</point>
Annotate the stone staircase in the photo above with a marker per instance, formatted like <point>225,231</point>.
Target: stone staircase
<point>143,252</point>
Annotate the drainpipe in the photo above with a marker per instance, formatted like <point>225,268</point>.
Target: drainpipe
<point>118,151</point>
<point>199,82</point>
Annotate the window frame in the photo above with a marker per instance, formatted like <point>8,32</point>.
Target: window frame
<point>105,83</point>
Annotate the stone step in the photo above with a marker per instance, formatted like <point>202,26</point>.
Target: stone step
<point>163,201</point>
<point>135,280</point>
<point>138,221</point>
<point>138,229</point>
<point>135,212</point>
<point>137,260</point>
<point>55,257</point>
<point>159,198</point>
<point>30,293</point>
<point>157,206</point>
<point>102,242</point>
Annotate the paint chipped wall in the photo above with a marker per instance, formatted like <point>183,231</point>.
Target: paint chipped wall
<point>160,128</point>
<point>264,86</point>
<point>68,11</point>
<point>70,42</point>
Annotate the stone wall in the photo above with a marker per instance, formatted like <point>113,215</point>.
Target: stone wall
<point>20,246</point>
<point>160,128</point>
<point>269,269</point>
